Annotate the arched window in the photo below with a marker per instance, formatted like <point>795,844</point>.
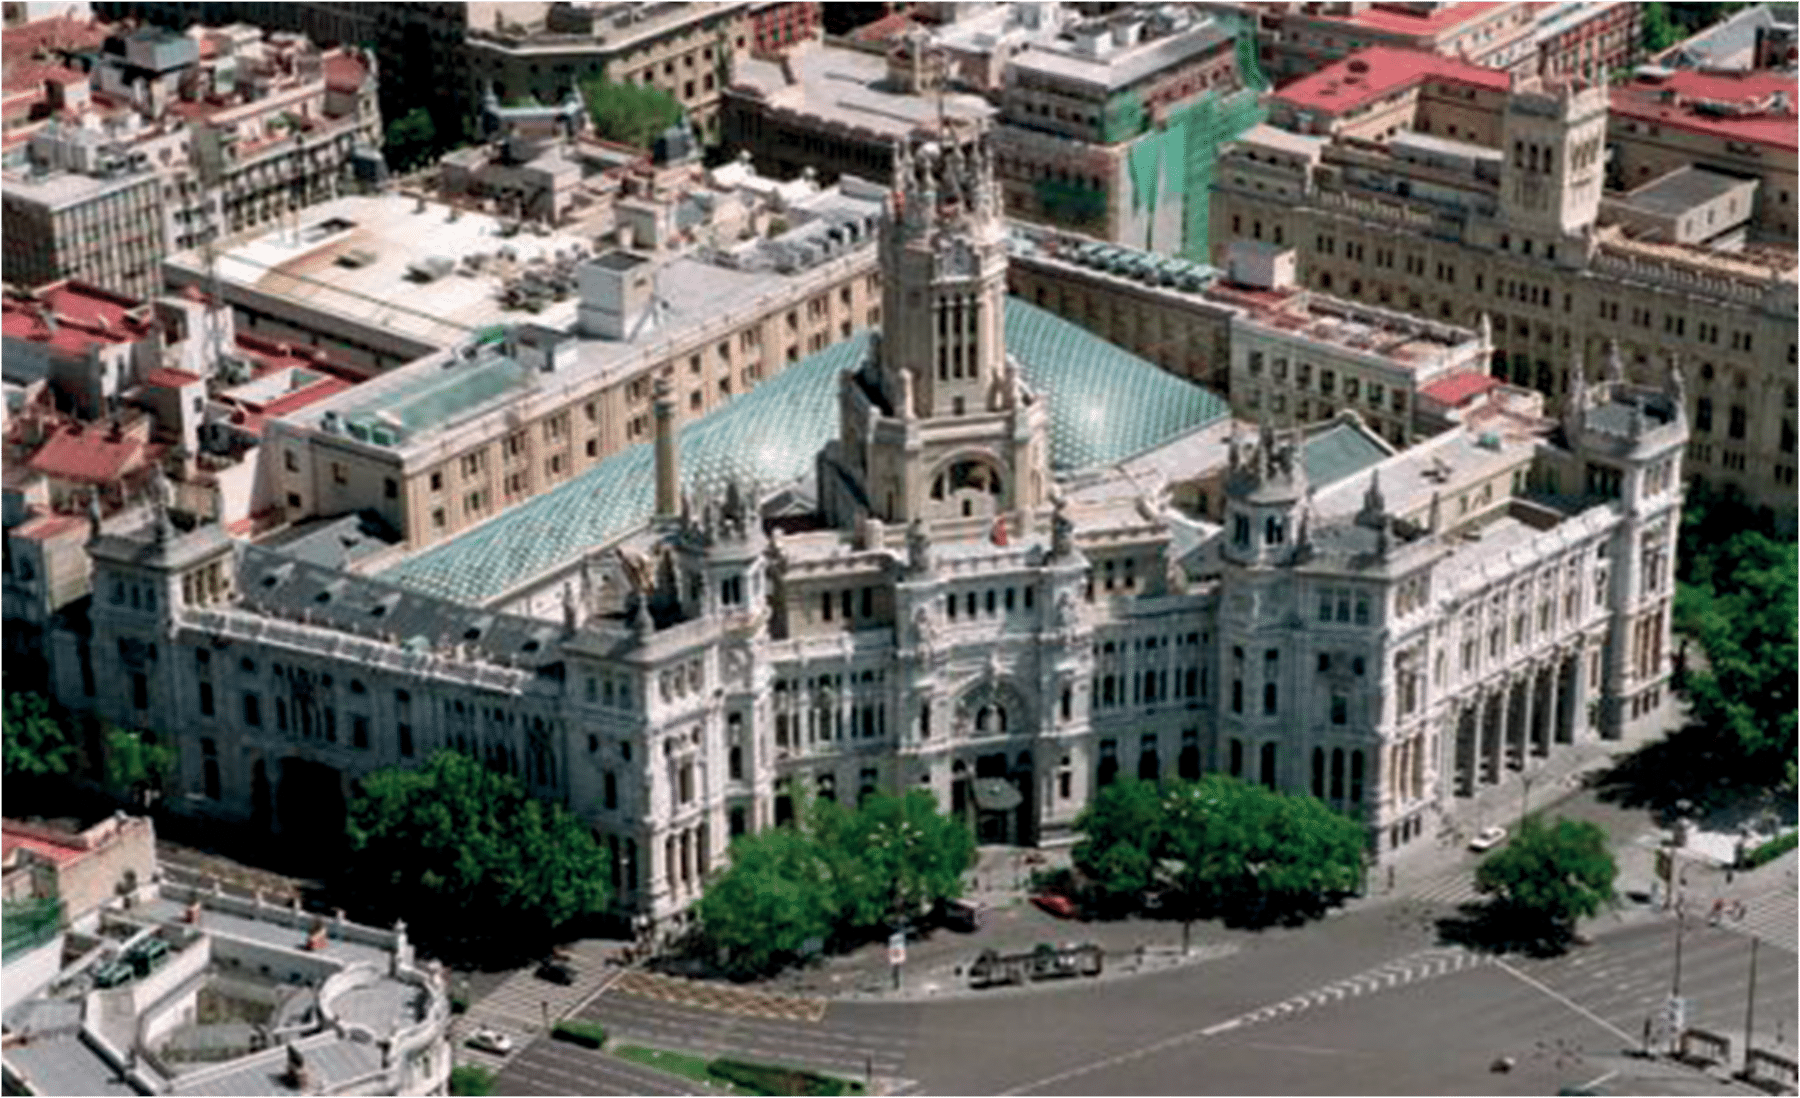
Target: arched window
<point>1356,776</point>
<point>1318,772</point>
<point>1268,765</point>
<point>1337,773</point>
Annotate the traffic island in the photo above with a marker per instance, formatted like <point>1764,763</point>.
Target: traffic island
<point>732,1076</point>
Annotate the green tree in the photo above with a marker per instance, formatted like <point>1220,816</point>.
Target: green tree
<point>777,894</point>
<point>36,745</point>
<point>1122,836</point>
<point>1737,598</point>
<point>840,876</point>
<point>1657,31</point>
<point>470,858</point>
<point>1233,844</point>
<point>910,855</point>
<point>1548,877</point>
<point>136,764</point>
<point>631,114</point>
<point>411,140</point>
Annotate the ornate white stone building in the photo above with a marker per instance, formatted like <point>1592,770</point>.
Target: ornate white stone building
<point>980,584</point>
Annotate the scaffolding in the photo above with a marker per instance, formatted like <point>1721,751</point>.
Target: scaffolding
<point>1175,161</point>
<point>27,924</point>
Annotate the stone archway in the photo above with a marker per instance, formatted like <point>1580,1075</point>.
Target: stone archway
<point>972,484</point>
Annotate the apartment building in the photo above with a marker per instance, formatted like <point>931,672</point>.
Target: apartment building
<point>686,50</point>
<point>1519,226</point>
<point>1103,126</point>
<point>170,140</point>
<point>1590,40</point>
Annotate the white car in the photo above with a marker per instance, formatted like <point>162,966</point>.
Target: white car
<point>1487,839</point>
<point>491,1040</point>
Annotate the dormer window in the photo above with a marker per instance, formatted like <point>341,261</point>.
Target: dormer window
<point>1274,531</point>
<point>1240,531</point>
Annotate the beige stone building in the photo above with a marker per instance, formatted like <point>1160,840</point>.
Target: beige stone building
<point>1452,228</point>
<point>467,427</point>
<point>686,50</point>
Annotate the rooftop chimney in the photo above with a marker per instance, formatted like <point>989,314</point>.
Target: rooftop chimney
<point>668,471</point>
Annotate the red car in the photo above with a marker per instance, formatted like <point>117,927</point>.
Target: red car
<point>1058,905</point>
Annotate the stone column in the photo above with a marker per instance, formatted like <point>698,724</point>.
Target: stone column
<point>1497,748</point>
<point>1526,739</point>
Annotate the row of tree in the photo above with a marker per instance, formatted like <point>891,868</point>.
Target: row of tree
<point>1736,598</point>
<point>1217,846</point>
<point>835,879</point>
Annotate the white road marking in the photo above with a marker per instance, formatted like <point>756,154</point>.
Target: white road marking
<point>1568,1002</point>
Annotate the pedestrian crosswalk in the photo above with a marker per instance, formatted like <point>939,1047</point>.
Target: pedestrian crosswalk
<point>1449,888</point>
<point>1413,968</point>
<point>523,1007</point>
<point>726,1000</point>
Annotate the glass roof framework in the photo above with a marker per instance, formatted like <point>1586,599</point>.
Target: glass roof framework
<point>1105,405</point>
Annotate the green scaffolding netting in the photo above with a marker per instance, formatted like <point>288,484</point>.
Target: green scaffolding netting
<point>1177,159</point>
<point>27,924</point>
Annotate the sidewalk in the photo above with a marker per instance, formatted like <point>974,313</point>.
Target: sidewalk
<point>1429,859</point>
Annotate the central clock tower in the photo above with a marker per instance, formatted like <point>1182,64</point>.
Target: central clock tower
<point>939,427</point>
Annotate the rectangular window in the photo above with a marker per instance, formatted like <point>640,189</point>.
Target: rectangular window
<point>206,699</point>
<point>252,710</point>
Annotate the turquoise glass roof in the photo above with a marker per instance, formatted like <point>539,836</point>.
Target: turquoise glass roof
<point>1105,404</point>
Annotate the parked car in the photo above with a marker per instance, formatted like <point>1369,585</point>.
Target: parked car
<point>557,972</point>
<point>1057,904</point>
<point>1487,839</point>
<point>960,915</point>
<point>491,1040</point>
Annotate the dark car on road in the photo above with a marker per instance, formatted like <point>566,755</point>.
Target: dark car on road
<point>557,972</point>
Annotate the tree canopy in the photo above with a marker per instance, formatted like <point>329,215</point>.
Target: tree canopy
<point>37,745</point>
<point>469,858</point>
<point>631,114</point>
<point>1122,837</point>
<point>1656,29</point>
<point>1219,844</point>
<point>1549,876</point>
<point>841,876</point>
<point>1737,599</point>
<point>411,140</point>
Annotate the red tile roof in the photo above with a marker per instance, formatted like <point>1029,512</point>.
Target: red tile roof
<point>1454,390</point>
<point>45,527</point>
<point>1734,106</point>
<point>60,34</point>
<point>344,72</point>
<point>55,852</point>
<point>1368,75</point>
<point>301,397</point>
<point>85,315</point>
<point>165,378</point>
<point>88,457</point>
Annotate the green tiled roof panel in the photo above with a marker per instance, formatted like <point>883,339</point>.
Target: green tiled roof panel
<point>1105,405</point>
<point>1337,452</point>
